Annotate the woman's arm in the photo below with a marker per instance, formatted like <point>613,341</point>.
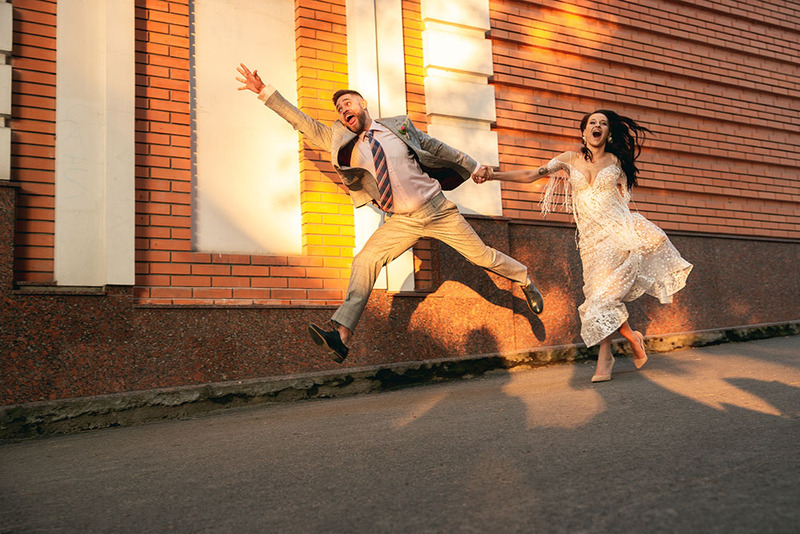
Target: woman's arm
<point>538,177</point>
<point>486,173</point>
<point>523,176</point>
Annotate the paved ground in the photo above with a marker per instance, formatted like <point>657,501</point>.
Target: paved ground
<point>703,440</point>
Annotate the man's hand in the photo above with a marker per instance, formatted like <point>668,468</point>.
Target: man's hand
<point>484,174</point>
<point>251,80</point>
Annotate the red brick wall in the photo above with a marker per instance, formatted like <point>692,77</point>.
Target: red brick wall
<point>33,136</point>
<point>164,263</point>
<point>717,82</point>
<point>168,271</point>
<point>424,275</point>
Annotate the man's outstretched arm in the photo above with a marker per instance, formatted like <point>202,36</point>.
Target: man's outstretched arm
<point>315,132</point>
<point>444,151</point>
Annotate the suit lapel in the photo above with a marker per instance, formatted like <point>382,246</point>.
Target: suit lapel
<point>394,125</point>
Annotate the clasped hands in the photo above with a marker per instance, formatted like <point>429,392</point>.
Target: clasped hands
<point>484,174</point>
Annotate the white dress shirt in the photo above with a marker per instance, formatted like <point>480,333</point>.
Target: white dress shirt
<point>411,186</point>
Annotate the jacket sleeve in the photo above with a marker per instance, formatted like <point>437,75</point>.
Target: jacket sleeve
<point>444,151</point>
<point>315,132</point>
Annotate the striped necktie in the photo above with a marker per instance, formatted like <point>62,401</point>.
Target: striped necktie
<point>381,172</point>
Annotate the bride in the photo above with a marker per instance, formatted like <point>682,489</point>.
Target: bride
<point>623,254</point>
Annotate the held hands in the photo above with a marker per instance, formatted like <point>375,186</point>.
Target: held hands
<point>251,80</point>
<point>484,174</point>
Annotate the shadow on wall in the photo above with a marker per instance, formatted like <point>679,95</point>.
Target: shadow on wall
<point>397,327</point>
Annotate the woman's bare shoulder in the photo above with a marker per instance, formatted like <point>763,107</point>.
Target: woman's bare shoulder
<point>568,157</point>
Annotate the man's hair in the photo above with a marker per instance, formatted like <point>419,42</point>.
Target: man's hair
<point>338,94</point>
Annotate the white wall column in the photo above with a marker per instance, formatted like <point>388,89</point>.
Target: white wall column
<point>459,101</point>
<point>376,66</point>
<point>246,191</point>
<point>95,144</point>
<point>6,45</point>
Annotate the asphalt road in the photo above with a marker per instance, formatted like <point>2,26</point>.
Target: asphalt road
<point>703,440</point>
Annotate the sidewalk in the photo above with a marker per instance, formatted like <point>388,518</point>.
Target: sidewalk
<point>700,440</point>
<point>65,416</point>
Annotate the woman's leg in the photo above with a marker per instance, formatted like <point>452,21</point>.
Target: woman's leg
<point>636,340</point>
<point>605,361</point>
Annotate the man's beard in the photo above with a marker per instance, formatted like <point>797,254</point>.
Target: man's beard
<point>361,121</point>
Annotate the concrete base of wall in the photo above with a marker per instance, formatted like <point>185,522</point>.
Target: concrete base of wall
<point>103,411</point>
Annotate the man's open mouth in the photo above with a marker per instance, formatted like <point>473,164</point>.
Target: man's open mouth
<point>350,118</point>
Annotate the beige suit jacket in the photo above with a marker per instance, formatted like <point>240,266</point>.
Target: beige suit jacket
<point>450,167</point>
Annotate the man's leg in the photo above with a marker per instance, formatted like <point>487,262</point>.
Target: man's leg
<point>450,227</point>
<point>388,242</point>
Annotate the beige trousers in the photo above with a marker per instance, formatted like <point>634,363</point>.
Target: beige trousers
<point>439,219</point>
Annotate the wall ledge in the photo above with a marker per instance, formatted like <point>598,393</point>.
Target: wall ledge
<point>48,418</point>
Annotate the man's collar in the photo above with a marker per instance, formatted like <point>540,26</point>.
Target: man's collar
<point>374,127</point>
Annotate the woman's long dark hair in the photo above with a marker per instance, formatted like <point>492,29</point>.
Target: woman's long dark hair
<point>625,142</point>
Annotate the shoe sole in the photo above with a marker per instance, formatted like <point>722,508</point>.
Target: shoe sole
<point>317,338</point>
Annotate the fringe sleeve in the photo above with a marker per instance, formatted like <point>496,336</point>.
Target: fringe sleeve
<point>557,185</point>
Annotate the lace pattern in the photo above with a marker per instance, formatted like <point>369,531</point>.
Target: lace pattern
<point>624,255</point>
<point>558,185</point>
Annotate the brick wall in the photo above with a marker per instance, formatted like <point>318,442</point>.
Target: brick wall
<point>164,264</point>
<point>168,271</point>
<point>715,81</point>
<point>424,272</point>
<point>33,137</point>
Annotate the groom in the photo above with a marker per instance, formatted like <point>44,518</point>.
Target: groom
<point>403,171</point>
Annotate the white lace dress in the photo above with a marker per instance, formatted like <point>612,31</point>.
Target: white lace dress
<point>623,254</point>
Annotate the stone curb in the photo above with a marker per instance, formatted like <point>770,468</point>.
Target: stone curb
<point>86,413</point>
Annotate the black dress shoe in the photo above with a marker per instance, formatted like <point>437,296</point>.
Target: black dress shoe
<point>534,298</point>
<point>331,339</point>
